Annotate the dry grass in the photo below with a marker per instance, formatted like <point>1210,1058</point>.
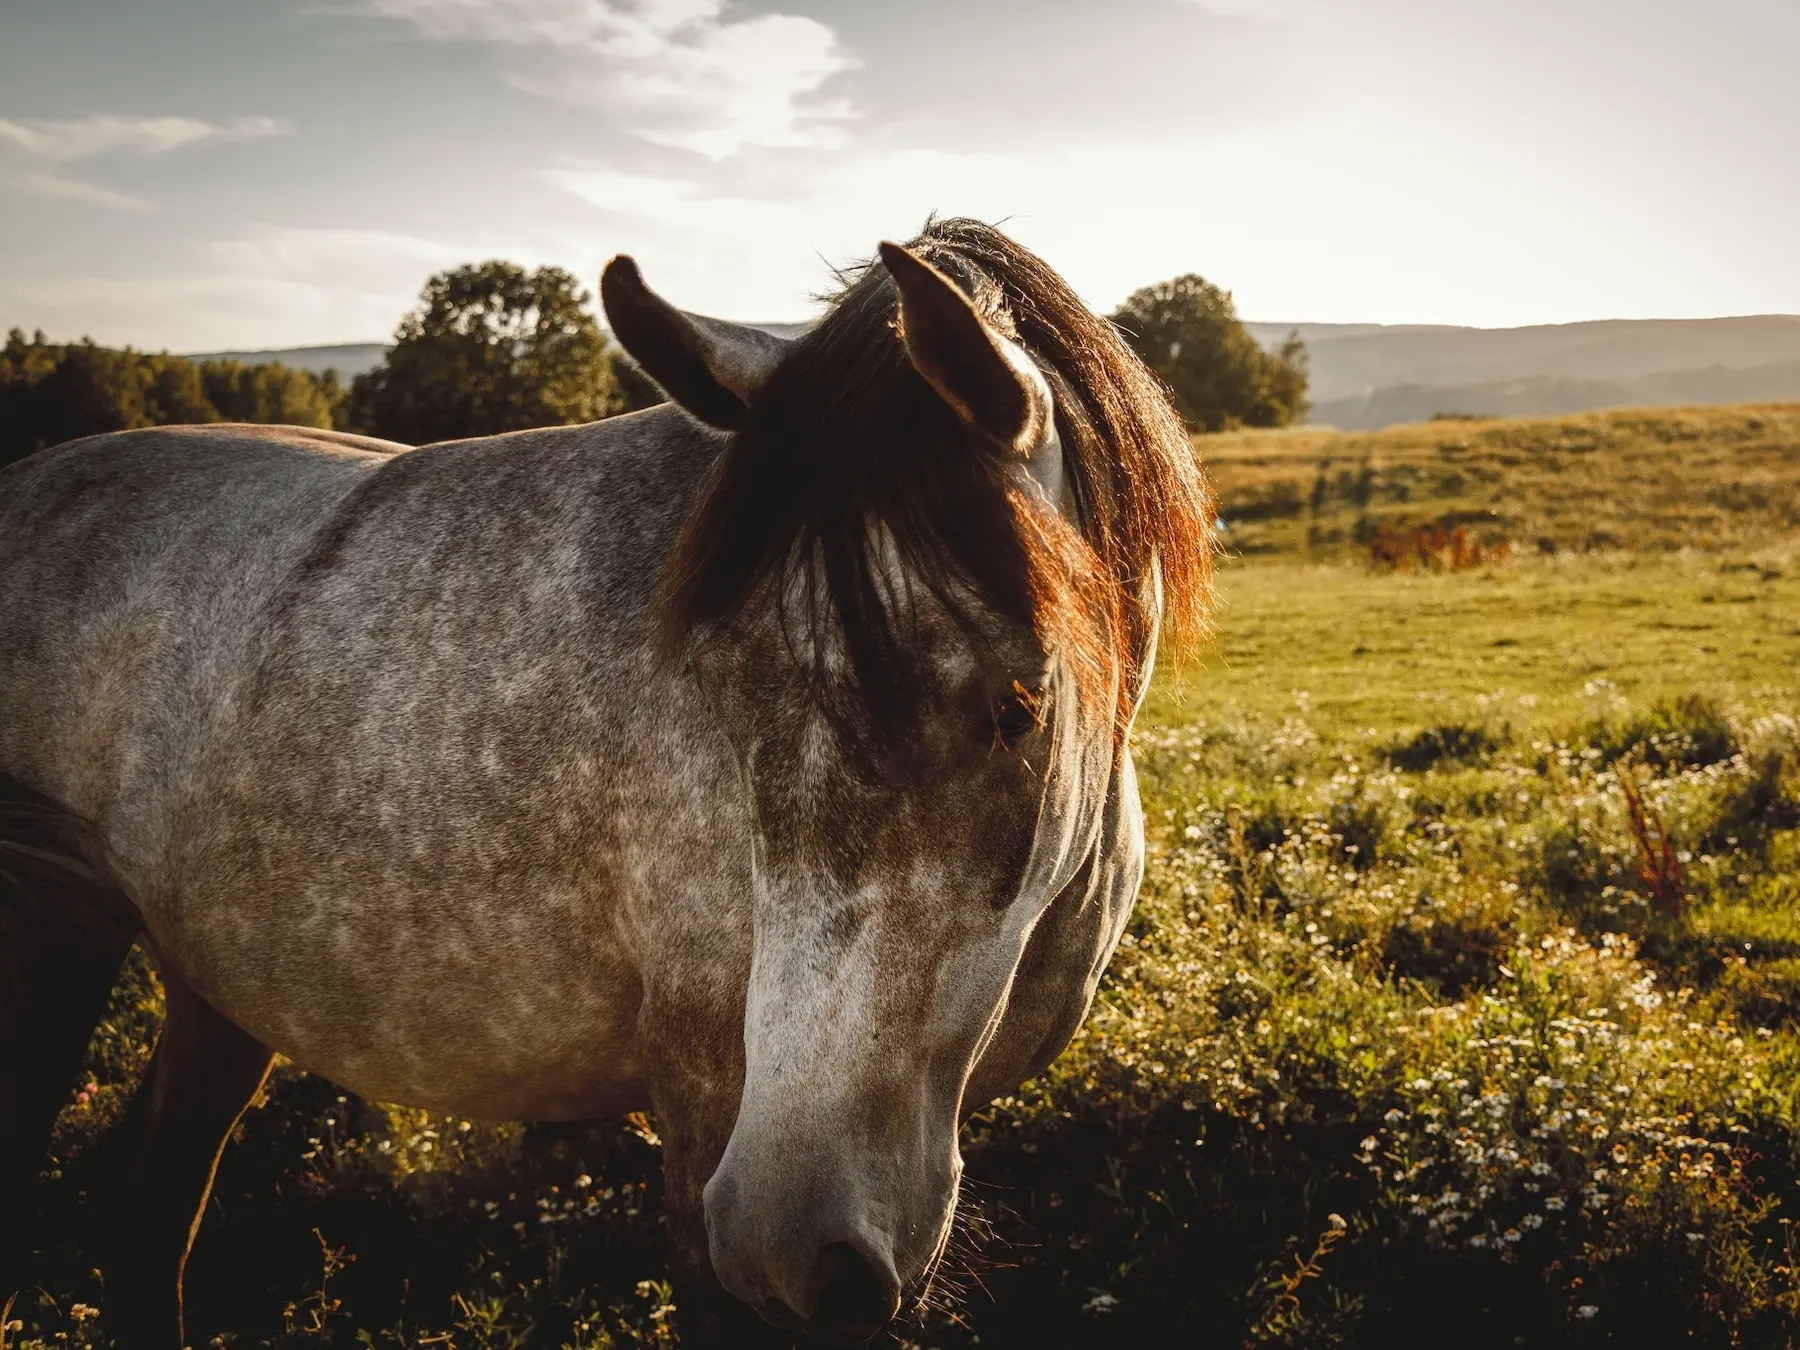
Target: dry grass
<point>1647,479</point>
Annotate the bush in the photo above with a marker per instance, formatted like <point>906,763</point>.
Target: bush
<point>1752,811</point>
<point>1455,948</point>
<point>1279,500</point>
<point>1455,742</point>
<point>1688,732</point>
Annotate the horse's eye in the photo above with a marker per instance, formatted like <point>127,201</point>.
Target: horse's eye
<point>1016,716</point>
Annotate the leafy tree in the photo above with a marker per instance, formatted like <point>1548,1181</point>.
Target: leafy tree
<point>1285,376</point>
<point>1187,331</point>
<point>174,391</point>
<point>490,348</point>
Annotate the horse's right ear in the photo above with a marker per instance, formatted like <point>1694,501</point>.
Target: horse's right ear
<point>986,378</point>
<point>712,368</point>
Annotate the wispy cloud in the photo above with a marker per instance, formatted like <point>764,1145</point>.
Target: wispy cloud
<point>61,140</point>
<point>78,190</point>
<point>679,73</point>
<point>47,142</point>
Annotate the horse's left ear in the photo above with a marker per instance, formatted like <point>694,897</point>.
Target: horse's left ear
<point>987,378</point>
<point>712,368</point>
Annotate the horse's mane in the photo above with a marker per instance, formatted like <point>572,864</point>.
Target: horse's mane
<point>847,435</point>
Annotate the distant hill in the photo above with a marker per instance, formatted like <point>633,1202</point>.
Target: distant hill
<point>1547,395</point>
<point>348,359</point>
<point>1371,375</point>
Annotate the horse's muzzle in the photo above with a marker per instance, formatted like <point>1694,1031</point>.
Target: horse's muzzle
<point>836,1284</point>
<point>855,1300</point>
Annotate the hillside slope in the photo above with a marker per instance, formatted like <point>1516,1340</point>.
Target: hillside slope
<point>348,359</point>
<point>1641,478</point>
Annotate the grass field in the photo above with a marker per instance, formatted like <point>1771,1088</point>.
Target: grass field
<point>1462,1004</point>
<point>1385,650</point>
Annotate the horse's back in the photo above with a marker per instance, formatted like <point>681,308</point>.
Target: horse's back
<point>131,567</point>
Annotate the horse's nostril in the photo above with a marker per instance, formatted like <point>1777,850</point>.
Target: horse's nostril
<point>856,1300</point>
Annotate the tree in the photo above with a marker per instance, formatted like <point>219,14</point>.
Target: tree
<point>1187,331</point>
<point>490,348</point>
<point>271,393</point>
<point>636,389</point>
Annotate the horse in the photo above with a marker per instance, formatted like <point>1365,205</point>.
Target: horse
<point>759,760</point>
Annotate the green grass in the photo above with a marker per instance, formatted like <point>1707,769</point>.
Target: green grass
<point>1391,650</point>
<point>1412,1039</point>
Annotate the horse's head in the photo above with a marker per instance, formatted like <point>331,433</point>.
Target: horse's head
<point>920,594</point>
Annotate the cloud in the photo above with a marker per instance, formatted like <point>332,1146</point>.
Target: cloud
<point>742,251</point>
<point>261,285</point>
<point>678,73</point>
<point>58,141</point>
<point>75,190</point>
<point>61,140</point>
<point>1040,75</point>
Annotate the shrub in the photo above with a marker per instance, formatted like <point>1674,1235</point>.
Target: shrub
<point>1278,500</point>
<point>1455,948</point>
<point>1360,824</point>
<point>1574,867</point>
<point>1751,812</point>
<point>1453,741</point>
<point>1689,731</point>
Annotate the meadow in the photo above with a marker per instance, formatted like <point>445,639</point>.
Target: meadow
<point>1461,1004</point>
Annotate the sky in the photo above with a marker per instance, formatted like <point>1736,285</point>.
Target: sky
<point>210,174</point>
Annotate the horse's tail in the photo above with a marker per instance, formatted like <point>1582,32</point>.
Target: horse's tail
<point>40,840</point>
<point>54,891</point>
<point>64,930</point>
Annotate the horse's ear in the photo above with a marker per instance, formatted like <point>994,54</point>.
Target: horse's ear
<point>712,368</point>
<point>987,378</point>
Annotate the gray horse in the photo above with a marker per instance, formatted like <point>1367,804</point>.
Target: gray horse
<point>758,759</point>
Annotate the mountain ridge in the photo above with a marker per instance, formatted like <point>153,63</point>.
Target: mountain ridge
<point>1373,375</point>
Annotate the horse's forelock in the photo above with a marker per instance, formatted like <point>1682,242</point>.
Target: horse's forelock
<point>846,435</point>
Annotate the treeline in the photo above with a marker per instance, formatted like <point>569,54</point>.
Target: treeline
<point>492,347</point>
<point>53,392</point>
